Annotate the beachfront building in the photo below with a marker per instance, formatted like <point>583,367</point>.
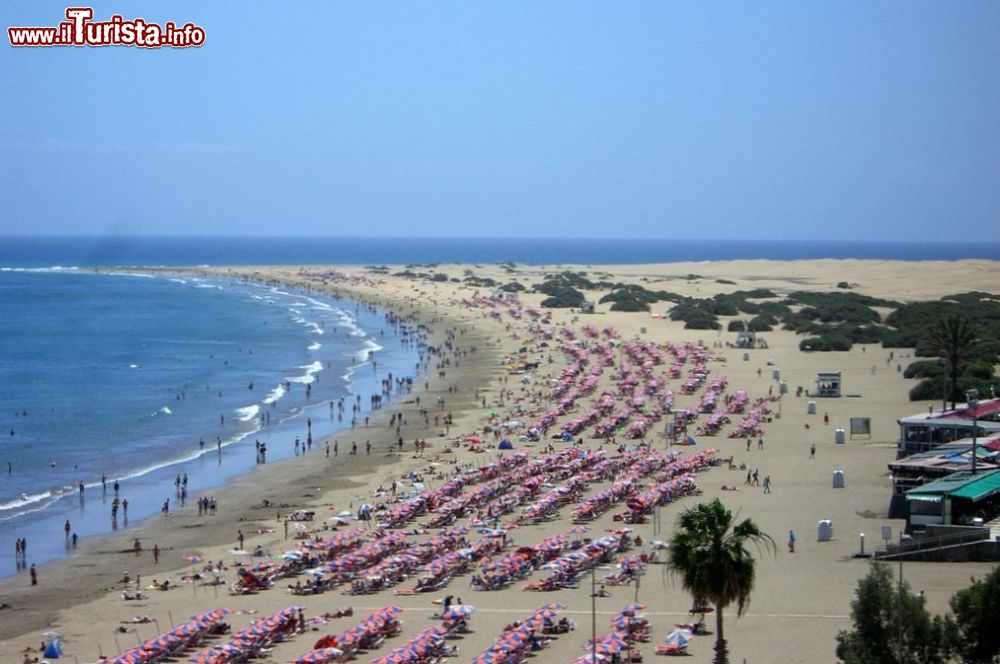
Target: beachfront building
<point>958,499</point>
<point>925,431</point>
<point>924,467</point>
<point>505,295</point>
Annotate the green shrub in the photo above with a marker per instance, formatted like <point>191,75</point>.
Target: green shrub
<point>629,305</point>
<point>924,369</point>
<point>762,323</point>
<point>826,343</point>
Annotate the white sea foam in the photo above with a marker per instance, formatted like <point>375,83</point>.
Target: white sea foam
<point>319,305</point>
<point>54,268</point>
<point>247,413</point>
<point>310,375</point>
<point>177,280</point>
<point>25,500</point>
<point>350,324</point>
<point>274,395</point>
<point>133,366</point>
<point>165,411</point>
<point>366,351</point>
<point>33,503</point>
<point>314,346</point>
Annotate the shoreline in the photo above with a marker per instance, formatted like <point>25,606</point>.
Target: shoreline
<point>170,450</point>
<point>104,557</point>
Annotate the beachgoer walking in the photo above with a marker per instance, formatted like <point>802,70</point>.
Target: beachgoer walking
<point>748,477</point>
<point>812,451</point>
<point>791,541</point>
<point>240,538</point>
<point>156,553</point>
<point>34,575</point>
<point>755,481</point>
<point>748,444</point>
<point>760,442</point>
<point>137,547</point>
<point>767,484</point>
<point>368,447</point>
<point>67,528</point>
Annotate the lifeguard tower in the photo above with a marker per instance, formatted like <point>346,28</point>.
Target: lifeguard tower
<point>746,339</point>
<point>827,384</point>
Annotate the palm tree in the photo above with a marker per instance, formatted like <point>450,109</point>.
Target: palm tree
<point>708,553</point>
<point>955,339</point>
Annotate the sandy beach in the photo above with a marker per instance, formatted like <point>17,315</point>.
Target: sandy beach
<point>801,600</point>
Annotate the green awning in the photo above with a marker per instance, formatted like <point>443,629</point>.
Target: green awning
<point>981,488</point>
<point>960,485</point>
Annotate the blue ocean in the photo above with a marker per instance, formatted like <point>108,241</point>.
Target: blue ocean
<point>139,379</point>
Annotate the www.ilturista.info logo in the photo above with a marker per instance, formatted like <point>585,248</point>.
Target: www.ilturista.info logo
<point>81,30</point>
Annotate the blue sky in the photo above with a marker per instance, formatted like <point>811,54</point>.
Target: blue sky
<point>790,120</point>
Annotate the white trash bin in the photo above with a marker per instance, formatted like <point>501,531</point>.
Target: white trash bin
<point>838,479</point>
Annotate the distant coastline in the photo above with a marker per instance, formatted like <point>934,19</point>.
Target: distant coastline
<point>31,252</point>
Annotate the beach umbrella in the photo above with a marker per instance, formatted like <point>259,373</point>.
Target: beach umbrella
<point>631,609</point>
<point>605,648</point>
<point>391,658</point>
<point>622,622</point>
<point>186,630</point>
<point>458,611</point>
<point>213,615</point>
<point>487,657</point>
<point>319,656</point>
<point>616,639</point>
<point>678,639</point>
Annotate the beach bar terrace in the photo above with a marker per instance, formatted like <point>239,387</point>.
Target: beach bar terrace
<point>925,431</point>
<point>923,467</point>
